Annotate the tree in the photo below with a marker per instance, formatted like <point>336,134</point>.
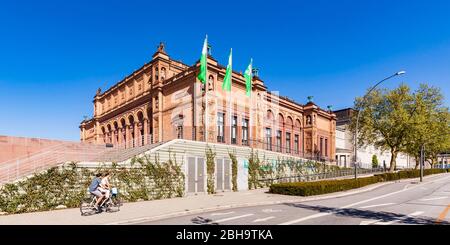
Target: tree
<point>430,126</point>
<point>374,161</point>
<point>399,121</point>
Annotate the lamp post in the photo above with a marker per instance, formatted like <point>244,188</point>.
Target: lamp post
<point>358,115</point>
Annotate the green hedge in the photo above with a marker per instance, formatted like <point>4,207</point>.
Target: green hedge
<point>321,187</point>
<point>330,186</point>
<point>409,174</point>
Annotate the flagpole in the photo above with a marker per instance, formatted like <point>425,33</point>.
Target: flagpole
<point>206,93</point>
<point>250,121</point>
<point>229,95</point>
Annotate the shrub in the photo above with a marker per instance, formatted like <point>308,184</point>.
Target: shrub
<point>234,170</point>
<point>210,169</point>
<point>330,186</point>
<point>321,187</point>
<point>374,161</point>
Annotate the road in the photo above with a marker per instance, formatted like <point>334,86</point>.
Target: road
<point>400,203</point>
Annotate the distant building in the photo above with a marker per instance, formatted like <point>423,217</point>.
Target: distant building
<point>345,147</point>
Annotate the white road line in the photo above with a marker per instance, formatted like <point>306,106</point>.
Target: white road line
<point>305,218</point>
<point>369,222</point>
<point>400,219</point>
<point>232,218</point>
<point>378,205</point>
<point>271,210</point>
<point>262,220</point>
<point>219,214</point>
<point>354,204</point>
<point>432,199</point>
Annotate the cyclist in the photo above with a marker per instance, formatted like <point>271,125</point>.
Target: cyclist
<point>105,187</point>
<point>94,190</point>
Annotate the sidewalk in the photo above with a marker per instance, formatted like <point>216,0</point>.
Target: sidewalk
<point>159,209</point>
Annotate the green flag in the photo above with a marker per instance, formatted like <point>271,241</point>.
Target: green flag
<point>203,62</point>
<point>227,80</point>
<point>248,78</point>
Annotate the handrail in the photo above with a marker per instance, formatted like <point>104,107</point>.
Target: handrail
<point>333,174</point>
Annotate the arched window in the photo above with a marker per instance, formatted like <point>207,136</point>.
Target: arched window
<point>109,133</point>
<point>104,134</point>
<point>163,73</point>
<point>140,117</point>
<point>308,120</point>
<point>297,131</point>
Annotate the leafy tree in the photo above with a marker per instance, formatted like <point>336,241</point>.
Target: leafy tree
<point>374,161</point>
<point>430,126</point>
<point>399,121</point>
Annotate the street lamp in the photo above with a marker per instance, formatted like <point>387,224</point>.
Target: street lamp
<point>357,118</point>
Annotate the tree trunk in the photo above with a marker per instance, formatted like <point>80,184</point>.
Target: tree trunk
<point>417,159</point>
<point>393,160</point>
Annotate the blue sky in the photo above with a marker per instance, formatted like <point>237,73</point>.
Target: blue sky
<point>55,54</point>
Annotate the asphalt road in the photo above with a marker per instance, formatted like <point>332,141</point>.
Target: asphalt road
<point>400,203</point>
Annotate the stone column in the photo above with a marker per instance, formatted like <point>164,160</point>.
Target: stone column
<point>136,134</point>
<point>146,136</point>
<point>127,135</point>
<point>120,133</point>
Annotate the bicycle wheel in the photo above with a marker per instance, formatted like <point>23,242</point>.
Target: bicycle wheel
<point>87,207</point>
<point>116,203</point>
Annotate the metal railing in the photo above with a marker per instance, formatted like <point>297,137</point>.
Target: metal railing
<point>320,176</point>
<point>71,152</point>
<point>297,152</point>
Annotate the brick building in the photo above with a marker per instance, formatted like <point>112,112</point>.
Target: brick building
<point>164,100</point>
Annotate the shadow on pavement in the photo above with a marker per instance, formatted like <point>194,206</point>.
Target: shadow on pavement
<point>368,214</point>
<point>202,221</point>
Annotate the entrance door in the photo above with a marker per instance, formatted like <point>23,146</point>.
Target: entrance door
<point>196,174</point>
<point>223,174</point>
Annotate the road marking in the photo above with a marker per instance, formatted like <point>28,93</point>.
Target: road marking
<point>443,214</point>
<point>378,205</point>
<point>305,218</point>
<point>232,218</point>
<point>262,220</point>
<point>219,214</point>
<point>432,199</point>
<point>400,219</point>
<point>354,204</point>
<point>271,210</point>
<point>369,222</point>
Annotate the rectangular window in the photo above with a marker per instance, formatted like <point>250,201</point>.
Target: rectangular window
<point>220,127</point>
<point>321,146</point>
<point>268,139</point>
<point>296,144</point>
<point>245,132</point>
<point>279,140</point>
<point>234,130</point>
<point>326,147</point>
<point>288,142</point>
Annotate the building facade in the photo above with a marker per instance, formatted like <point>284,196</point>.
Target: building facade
<point>164,100</point>
<point>345,147</point>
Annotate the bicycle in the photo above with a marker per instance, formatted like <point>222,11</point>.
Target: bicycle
<point>111,204</point>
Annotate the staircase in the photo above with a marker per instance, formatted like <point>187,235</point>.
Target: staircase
<point>120,154</point>
<point>65,152</point>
